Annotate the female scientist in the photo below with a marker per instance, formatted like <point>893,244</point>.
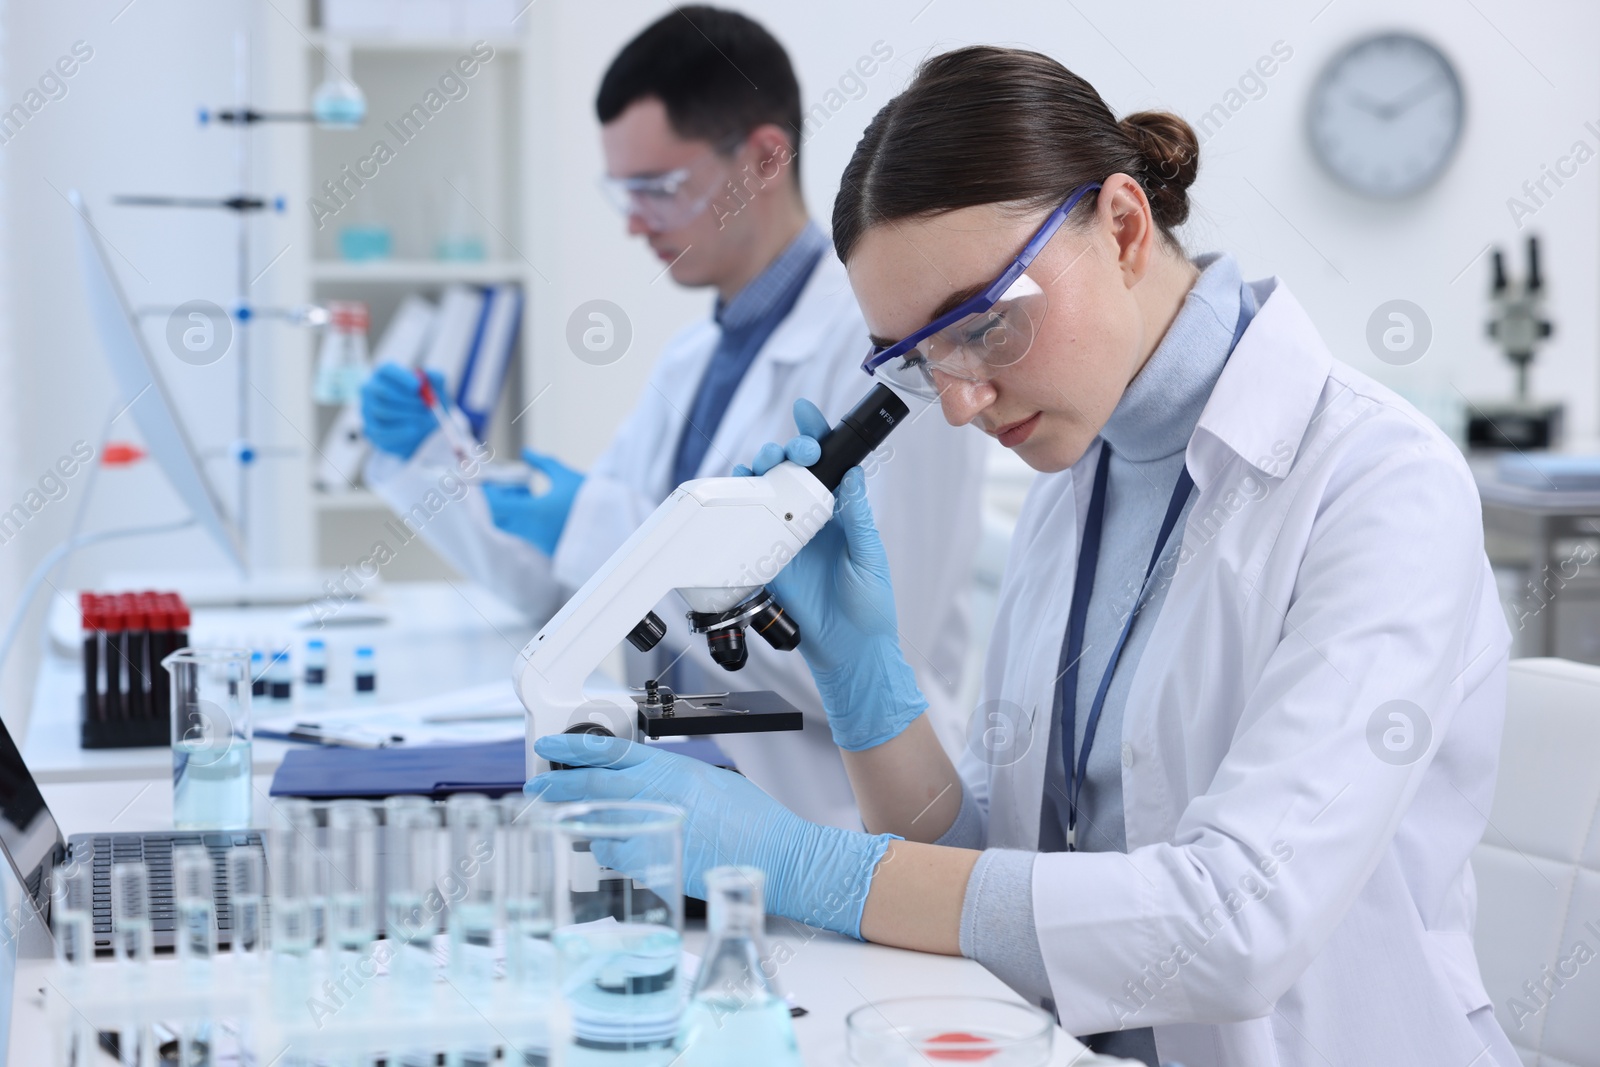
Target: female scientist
<point>1243,701</point>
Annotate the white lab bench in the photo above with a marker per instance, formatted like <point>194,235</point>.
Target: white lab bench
<point>440,636</point>
<point>830,976</point>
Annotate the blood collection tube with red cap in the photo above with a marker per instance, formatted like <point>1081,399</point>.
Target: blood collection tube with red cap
<point>456,432</point>
<point>136,646</point>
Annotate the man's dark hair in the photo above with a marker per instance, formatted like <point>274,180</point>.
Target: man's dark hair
<point>719,73</point>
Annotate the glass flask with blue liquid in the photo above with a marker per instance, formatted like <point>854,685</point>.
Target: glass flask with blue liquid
<point>736,1014</point>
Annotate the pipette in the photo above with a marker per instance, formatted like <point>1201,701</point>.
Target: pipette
<point>456,433</point>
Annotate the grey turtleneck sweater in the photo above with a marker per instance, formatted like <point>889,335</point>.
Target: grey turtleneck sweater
<point>1148,433</point>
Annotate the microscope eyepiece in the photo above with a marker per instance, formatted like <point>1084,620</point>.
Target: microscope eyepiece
<point>861,430</point>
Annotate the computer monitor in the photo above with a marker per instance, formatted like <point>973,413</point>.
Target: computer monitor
<point>143,388</point>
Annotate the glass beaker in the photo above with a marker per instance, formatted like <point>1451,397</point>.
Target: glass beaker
<point>211,732</point>
<point>618,927</point>
<point>736,1015</point>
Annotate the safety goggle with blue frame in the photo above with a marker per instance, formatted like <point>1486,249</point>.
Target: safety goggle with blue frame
<point>992,329</point>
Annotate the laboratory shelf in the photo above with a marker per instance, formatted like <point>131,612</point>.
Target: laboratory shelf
<point>416,271</point>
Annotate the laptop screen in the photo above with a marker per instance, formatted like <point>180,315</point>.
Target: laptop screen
<point>27,829</point>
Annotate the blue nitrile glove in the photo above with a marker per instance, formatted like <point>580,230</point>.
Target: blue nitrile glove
<point>536,518</point>
<point>393,415</point>
<point>818,875</point>
<point>838,590</point>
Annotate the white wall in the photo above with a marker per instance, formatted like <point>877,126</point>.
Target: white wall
<point>1530,81</point>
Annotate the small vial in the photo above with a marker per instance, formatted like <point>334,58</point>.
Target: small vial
<point>258,673</point>
<point>279,675</point>
<point>246,888</point>
<point>366,672</point>
<point>316,672</point>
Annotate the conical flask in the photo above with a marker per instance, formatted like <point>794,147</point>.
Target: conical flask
<point>736,1015</point>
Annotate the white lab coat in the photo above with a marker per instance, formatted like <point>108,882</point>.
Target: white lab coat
<point>1288,897</point>
<point>924,485</point>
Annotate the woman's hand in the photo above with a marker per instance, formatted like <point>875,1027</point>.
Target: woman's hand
<point>838,589</point>
<point>817,875</point>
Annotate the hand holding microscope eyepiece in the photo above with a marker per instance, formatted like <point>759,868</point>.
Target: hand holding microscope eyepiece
<point>716,542</point>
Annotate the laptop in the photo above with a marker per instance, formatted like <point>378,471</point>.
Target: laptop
<point>33,846</point>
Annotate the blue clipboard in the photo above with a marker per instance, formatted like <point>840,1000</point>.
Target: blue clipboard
<point>328,773</point>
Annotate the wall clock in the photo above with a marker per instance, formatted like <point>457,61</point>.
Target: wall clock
<point>1386,114</point>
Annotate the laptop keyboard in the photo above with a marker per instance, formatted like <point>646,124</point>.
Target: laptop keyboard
<point>155,850</point>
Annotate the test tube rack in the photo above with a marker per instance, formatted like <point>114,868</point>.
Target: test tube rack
<point>126,695</point>
<point>320,992</point>
<point>289,1012</point>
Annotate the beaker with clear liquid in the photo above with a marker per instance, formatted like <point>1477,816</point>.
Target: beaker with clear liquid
<point>618,929</point>
<point>211,736</point>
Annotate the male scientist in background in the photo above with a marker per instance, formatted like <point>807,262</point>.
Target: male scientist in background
<point>703,161</point>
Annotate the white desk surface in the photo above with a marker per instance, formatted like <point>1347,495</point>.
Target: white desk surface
<point>440,636</point>
<point>829,975</point>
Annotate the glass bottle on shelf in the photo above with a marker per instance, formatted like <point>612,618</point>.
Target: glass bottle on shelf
<point>338,103</point>
<point>342,359</point>
<point>736,1014</point>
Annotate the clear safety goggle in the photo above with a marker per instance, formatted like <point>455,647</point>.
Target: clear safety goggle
<point>971,341</point>
<point>671,200</point>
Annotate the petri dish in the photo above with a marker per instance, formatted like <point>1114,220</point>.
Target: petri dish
<point>932,1031</point>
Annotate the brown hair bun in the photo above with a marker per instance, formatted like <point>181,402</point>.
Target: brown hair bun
<point>1171,155</point>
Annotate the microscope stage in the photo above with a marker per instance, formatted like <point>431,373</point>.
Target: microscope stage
<point>717,713</point>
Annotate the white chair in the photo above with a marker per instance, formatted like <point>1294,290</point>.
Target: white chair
<point>1538,867</point>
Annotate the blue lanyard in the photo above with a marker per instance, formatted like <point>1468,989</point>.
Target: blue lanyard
<point>1082,589</point>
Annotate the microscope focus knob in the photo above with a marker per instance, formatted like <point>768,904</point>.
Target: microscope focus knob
<point>648,633</point>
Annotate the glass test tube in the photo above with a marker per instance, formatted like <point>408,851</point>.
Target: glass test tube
<point>130,912</point>
<point>71,912</point>
<point>192,876</point>
<point>290,845</point>
<point>319,872</point>
<point>353,874</point>
<point>412,861</point>
<point>192,879</point>
<point>246,893</point>
<point>528,850</point>
<point>472,819</point>
<point>134,940</point>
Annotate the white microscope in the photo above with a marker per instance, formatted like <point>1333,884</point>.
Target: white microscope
<point>717,542</point>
